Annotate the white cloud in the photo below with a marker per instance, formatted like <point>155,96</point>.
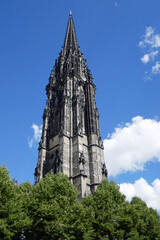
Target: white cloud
<point>37,135</point>
<point>149,56</point>
<point>37,131</point>
<point>153,54</point>
<point>141,44</point>
<point>148,193</point>
<point>150,39</point>
<point>151,44</point>
<point>156,41</point>
<point>131,146</point>
<point>149,31</point>
<point>156,68</point>
<point>145,58</point>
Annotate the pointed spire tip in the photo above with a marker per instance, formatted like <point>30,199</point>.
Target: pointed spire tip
<point>70,37</point>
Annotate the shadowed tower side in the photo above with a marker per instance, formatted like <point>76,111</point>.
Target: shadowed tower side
<point>71,141</point>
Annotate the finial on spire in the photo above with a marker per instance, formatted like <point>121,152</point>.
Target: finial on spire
<point>70,38</point>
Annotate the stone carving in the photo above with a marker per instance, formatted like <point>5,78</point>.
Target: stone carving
<point>81,163</point>
<point>40,143</point>
<point>61,130</point>
<point>36,172</point>
<point>104,170</point>
<point>58,163</point>
<point>79,128</point>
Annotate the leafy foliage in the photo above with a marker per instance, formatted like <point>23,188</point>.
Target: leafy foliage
<point>112,217</point>
<point>53,209</point>
<point>50,210</point>
<point>12,217</point>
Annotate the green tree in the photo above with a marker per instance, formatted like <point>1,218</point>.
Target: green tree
<point>112,217</point>
<point>50,210</point>
<point>54,210</point>
<point>146,220</point>
<point>12,216</point>
<point>104,210</point>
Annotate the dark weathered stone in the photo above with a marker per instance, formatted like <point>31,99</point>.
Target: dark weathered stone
<point>71,140</point>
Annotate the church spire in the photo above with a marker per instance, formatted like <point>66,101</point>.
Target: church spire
<point>70,41</point>
<point>71,141</point>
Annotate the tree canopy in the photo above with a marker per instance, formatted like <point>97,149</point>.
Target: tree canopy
<point>50,210</point>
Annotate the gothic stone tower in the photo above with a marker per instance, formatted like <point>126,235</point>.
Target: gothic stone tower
<point>71,141</point>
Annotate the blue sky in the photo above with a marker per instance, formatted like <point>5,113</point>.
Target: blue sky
<point>121,42</point>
